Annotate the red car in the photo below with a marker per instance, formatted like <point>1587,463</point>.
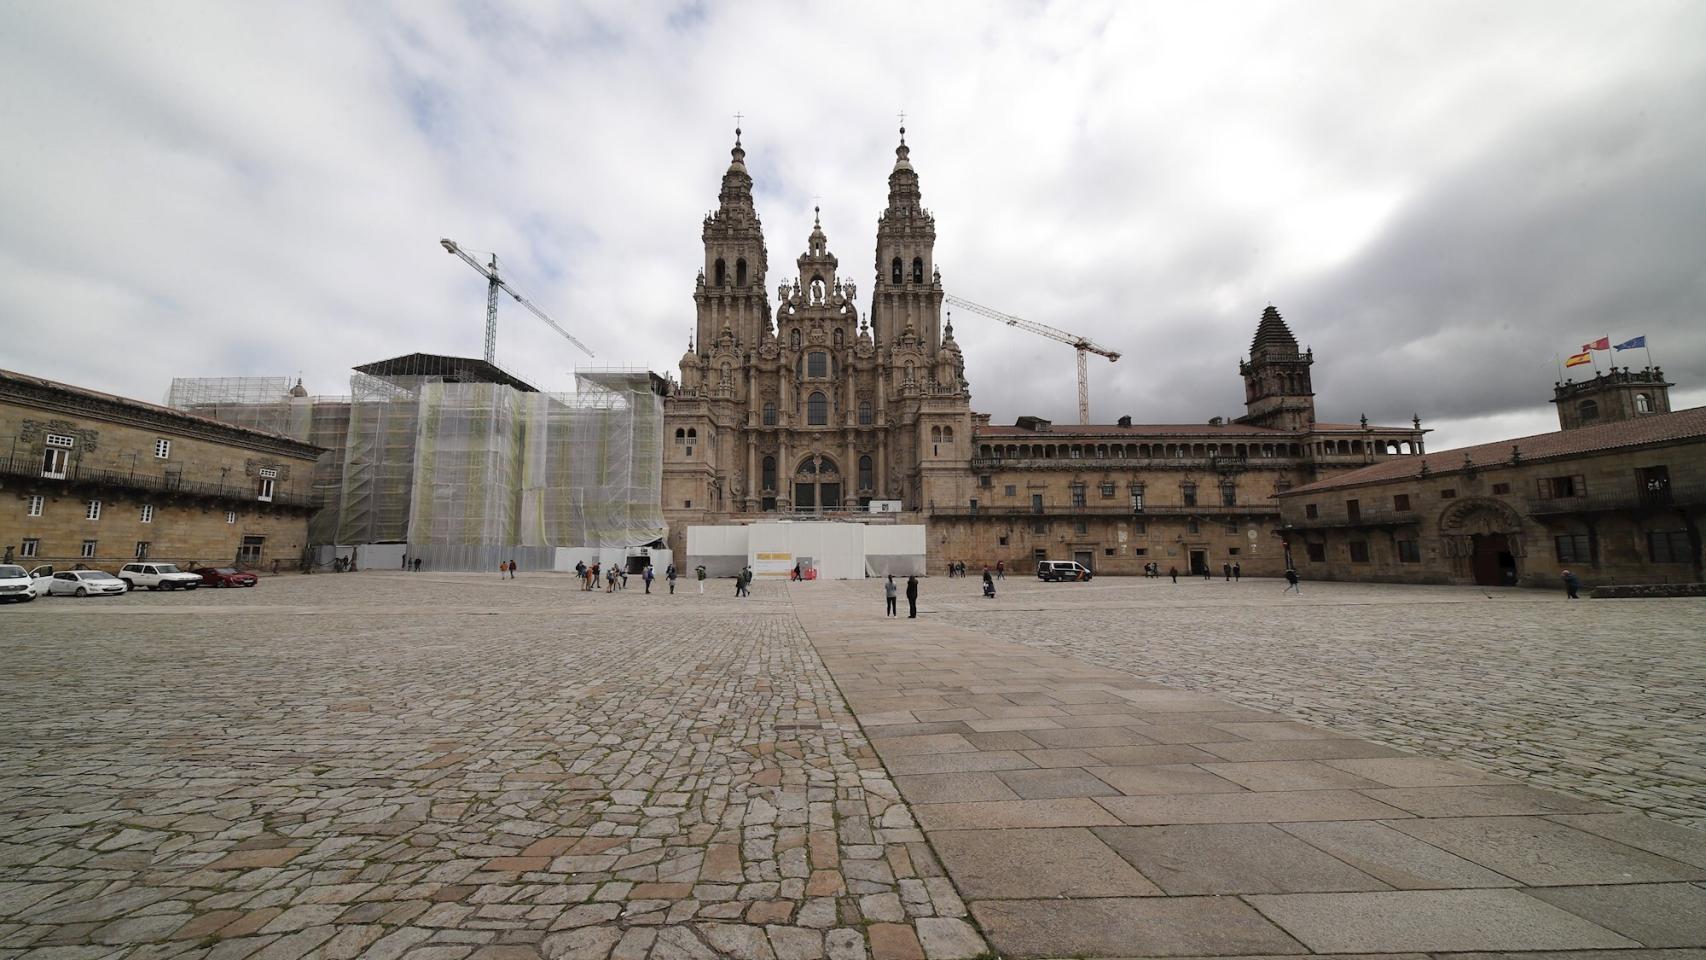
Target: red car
<point>226,577</point>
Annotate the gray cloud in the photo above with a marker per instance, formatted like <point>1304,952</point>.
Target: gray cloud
<point>1438,197</point>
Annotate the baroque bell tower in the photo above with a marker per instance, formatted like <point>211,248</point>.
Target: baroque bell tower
<point>908,291</point>
<point>730,292</point>
<point>1277,391</point>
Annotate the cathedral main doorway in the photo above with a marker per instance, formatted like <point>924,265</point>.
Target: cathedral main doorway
<point>1492,562</point>
<point>817,485</point>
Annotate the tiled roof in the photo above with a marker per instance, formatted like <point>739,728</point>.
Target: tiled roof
<point>1651,429</point>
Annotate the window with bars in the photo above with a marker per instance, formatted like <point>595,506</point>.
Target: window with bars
<point>1108,490</point>
<point>1078,495</point>
<point>1188,491</point>
<point>1574,548</point>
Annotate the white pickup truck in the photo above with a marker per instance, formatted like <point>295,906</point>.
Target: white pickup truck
<point>158,576</point>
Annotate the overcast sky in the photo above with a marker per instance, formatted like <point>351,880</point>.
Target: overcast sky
<point>1440,197</point>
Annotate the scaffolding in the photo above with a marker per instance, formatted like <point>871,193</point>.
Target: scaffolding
<point>463,462</point>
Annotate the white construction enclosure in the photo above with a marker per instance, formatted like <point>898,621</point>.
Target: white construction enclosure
<point>835,551</point>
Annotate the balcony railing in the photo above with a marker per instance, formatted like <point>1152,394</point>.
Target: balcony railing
<point>76,475</point>
<point>1669,498</point>
<point>1364,518</point>
<point>1056,510</point>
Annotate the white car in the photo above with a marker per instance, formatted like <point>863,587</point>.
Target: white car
<point>40,579</point>
<point>15,584</point>
<point>85,583</point>
<point>158,576</point>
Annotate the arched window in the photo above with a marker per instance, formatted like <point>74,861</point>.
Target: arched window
<point>1643,403</point>
<point>866,474</point>
<point>935,434</point>
<point>896,272</point>
<point>947,434</point>
<point>817,410</point>
<point>794,339</point>
<point>817,364</point>
<point>1588,410</point>
<point>768,480</point>
<point>740,272</point>
<point>864,413</point>
<point>917,269</point>
<point>769,414</point>
<point>722,272</point>
<point>808,468</point>
<point>692,433</point>
<point>680,434</point>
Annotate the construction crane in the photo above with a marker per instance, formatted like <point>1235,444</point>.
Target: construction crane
<point>494,283</point>
<point>1083,345</point>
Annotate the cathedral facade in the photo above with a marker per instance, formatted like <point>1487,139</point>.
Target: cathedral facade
<point>808,407</point>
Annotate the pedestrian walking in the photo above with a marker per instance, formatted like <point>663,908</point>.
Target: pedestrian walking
<point>669,574</point>
<point>1000,569</point>
<point>647,576</point>
<point>417,564</point>
<point>580,572</point>
<point>1237,572</point>
<point>1226,568</point>
<point>912,598</point>
<point>1291,580</point>
<point>512,569</point>
<point>1572,584</point>
<point>699,572</point>
<point>1175,572</point>
<point>622,575</point>
<point>746,582</point>
<point>503,568</point>
<point>611,577</point>
<point>405,561</point>
<point>889,591</point>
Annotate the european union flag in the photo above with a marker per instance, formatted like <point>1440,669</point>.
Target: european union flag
<point>1640,341</point>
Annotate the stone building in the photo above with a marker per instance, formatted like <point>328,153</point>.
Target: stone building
<point>101,480</point>
<point>1615,496</point>
<point>810,409</point>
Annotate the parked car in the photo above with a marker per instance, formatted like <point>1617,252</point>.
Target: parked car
<point>226,577</point>
<point>158,576</point>
<point>85,583</point>
<point>15,584</point>
<point>1061,570</point>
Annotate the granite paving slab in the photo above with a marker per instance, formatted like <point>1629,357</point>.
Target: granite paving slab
<point>1431,921</point>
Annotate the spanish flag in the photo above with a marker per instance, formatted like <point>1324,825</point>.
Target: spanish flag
<point>1579,359</point>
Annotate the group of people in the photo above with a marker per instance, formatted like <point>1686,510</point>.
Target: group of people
<point>411,563</point>
<point>957,568</point>
<point>889,595</point>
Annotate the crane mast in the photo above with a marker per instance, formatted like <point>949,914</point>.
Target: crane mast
<point>494,283</point>
<point>1083,345</point>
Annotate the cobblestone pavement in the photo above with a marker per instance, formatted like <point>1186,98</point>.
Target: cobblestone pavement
<point>446,767</point>
<point>1599,697</point>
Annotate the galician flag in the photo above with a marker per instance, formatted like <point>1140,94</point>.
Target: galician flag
<point>1603,343</point>
<point>1632,344</point>
<point>1579,359</point>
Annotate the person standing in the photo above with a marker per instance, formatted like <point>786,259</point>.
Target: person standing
<point>647,576</point>
<point>512,569</point>
<point>417,564</point>
<point>1237,572</point>
<point>1000,569</point>
<point>889,591</point>
<point>1175,573</point>
<point>669,574</point>
<point>611,577</point>
<point>1572,584</point>
<point>746,581</point>
<point>912,597</point>
<point>503,568</point>
<point>580,571</point>
<point>1292,580</point>
<point>1226,568</point>
<point>699,572</point>
<point>405,559</point>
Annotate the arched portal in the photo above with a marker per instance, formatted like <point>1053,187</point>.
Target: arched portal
<point>817,485</point>
<point>1484,539</point>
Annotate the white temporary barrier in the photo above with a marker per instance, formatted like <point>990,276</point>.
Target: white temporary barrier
<point>835,551</point>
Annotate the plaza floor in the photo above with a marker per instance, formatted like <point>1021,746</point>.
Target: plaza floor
<point>450,766</point>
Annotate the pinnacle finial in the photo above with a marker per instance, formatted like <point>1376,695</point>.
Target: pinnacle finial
<point>817,219</point>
